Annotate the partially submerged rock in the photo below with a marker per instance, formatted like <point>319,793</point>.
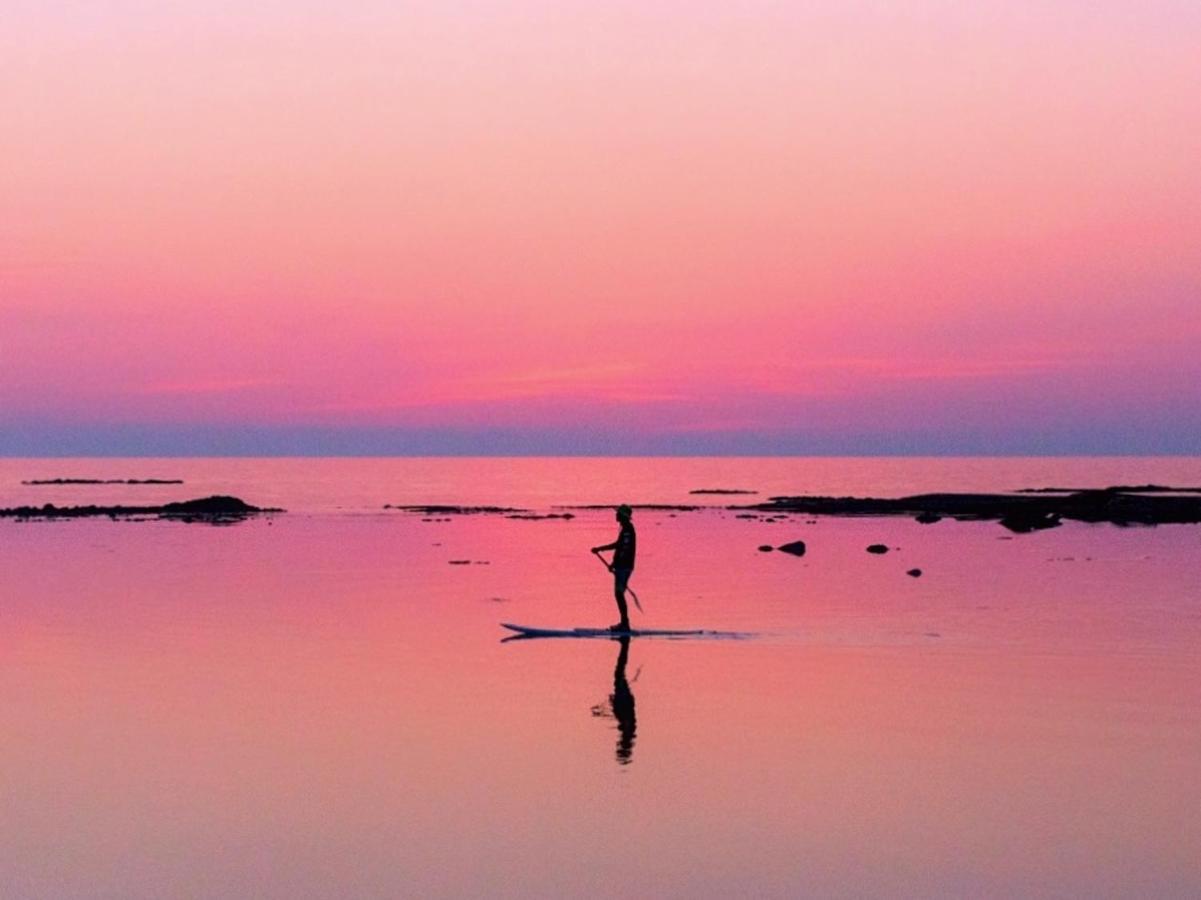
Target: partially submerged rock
<point>1021,512</point>
<point>914,573</point>
<point>42,481</point>
<point>648,507</point>
<point>216,510</point>
<point>1121,488</point>
<point>444,510</point>
<point>878,549</point>
<point>1025,521</point>
<point>721,491</point>
<point>796,548</point>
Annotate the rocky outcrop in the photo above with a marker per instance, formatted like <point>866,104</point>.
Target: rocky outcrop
<point>1019,513</point>
<point>216,510</point>
<point>42,481</point>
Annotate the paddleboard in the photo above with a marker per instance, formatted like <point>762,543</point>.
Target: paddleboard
<point>529,631</point>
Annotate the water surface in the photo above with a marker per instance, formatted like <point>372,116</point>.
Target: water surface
<point>319,704</point>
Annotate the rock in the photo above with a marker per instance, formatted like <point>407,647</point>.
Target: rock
<point>796,548</point>
<point>766,548</point>
<point>877,548</point>
<point>445,510</point>
<point>104,481</point>
<point>1025,521</point>
<point>216,510</point>
<point>927,518</point>
<point>210,506</point>
<point>914,573</point>
<point>1121,505</point>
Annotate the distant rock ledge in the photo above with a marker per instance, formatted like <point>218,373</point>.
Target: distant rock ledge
<point>42,481</point>
<point>215,510</point>
<point>1029,511</point>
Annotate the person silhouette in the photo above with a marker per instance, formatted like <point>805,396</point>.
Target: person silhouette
<point>623,563</point>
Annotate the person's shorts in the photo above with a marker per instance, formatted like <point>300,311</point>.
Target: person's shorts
<point>621,577</point>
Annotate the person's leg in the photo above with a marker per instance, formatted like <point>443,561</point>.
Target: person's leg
<point>620,579</point>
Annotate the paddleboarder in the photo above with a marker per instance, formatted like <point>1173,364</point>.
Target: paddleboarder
<point>623,563</point>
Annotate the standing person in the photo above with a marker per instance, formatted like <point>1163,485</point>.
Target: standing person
<point>623,563</point>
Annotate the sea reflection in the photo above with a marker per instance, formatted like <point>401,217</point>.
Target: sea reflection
<point>621,707</point>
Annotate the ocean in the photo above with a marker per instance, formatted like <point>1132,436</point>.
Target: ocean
<point>321,702</point>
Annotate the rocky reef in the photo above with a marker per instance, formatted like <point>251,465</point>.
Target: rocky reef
<point>216,510</point>
<point>1022,512</point>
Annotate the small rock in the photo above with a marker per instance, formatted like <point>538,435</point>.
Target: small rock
<point>796,548</point>
<point>1025,521</point>
<point>766,548</point>
<point>928,518</point>
<point>914,573</point>
<point>877,548</point>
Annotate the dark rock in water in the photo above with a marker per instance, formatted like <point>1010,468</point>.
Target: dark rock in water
<point>1119,489</point>
<point>535,516</point>
<point>877,548</point>
<point>104,481</point>
<point>650,507</point>
<point>746,516</point>
<point>1025,521</point>
<point>443,510</point>
<point>218,510</point>
<point>721,491</point>
<point>796,548</point>
<point>459,562</point>
<point>766,548</point>
<point>1138,505</point>
<point>209,506</point>
<point>914,573</point>
<point>927,518</point>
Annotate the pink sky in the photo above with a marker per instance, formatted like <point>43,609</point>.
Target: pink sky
<point>832,225</point>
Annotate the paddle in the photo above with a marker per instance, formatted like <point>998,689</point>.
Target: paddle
<point>596,553</point>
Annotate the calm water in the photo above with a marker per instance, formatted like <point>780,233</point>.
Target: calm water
<point>319,704</point>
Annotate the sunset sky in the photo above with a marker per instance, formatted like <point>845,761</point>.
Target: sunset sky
<point>623,227</point>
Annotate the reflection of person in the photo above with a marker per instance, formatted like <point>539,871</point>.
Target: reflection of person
<point>623,563</point>
<point>622,702</point>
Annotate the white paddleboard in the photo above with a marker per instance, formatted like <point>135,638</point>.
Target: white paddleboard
<point>529,631</point>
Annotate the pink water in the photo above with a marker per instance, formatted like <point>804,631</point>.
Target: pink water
<point>319,704</point>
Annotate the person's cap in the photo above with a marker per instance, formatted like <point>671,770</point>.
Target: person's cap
<point>624,511</point>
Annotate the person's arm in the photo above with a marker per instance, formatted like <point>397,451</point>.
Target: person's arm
<point>612,546</point>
